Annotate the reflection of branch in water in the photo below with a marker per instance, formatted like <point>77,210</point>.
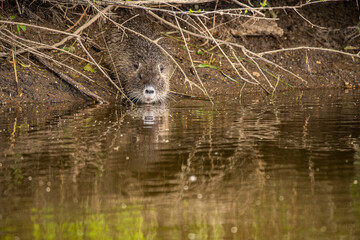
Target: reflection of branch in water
<point>209,164</point>
<point>12,135</point>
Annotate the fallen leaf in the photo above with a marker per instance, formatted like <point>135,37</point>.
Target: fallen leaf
<point>256,74</point>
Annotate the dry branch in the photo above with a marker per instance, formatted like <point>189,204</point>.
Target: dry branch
<point>40,54</point>
<point>309,48</point>
<point>71,82</point>
<point>218,42</point>
<point>87,24</point>
<point>196,21</point>
<point>102,71</point>
<point>38,45</point>
<point>192,62</point>
<point>70,36</point>
<point>148,39</point>
<point>133,3</point>
<point>16,76</point>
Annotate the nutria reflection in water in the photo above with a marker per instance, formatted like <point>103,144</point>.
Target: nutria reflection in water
<point>148,138</point>
<point>142,67</point>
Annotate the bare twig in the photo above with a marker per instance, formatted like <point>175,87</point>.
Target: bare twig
<point>39,27</point>
<point>192,62</point>
<point>78,21</point>
<point>75,34</point>
<point>87,24</point>
<point>218,42</point>
<point>250,8</point>
<point>195,34</point>
<point>155,2</point>
<point>276,65</point>
<point>214,17</point>
<point>38,53</point>
<point>19,8</point>
<point>309,48</point>
<point>16,76</point>
<point>308,21</point>
<point>277,83</point>
<point>247,72</point>
<point>258,67</point>
<point>70,35</point>
<point>192,20</point>
<point>227,58</point>
<point>143,36</point>
<point>71,82</point>
<point>242,88</point>
<point>102,71</point>
<point>38,45</point>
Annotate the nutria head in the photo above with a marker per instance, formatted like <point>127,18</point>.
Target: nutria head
<point>148,81</point>
<point>141,65</point>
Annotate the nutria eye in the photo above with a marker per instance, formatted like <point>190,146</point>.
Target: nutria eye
<point>161,67</point>
<point>136,66</point>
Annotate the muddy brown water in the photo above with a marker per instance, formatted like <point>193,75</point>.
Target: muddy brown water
<point>282,168</point>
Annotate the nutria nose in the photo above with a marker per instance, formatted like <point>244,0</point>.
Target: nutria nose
<point>149,93</point>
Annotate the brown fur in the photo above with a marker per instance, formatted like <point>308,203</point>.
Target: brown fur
<point>138,62</point>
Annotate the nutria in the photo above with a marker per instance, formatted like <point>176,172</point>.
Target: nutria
<point>143,68</point>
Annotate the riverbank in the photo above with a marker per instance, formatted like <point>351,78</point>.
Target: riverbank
<point>332,26</point>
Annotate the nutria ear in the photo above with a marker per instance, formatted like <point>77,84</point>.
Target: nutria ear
<point>137,66</point>
<point>161,68</point>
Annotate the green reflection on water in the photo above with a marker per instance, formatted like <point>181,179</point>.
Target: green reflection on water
<point>133,221</point>
<point>355,188</point>
<point>16,171</point>
<point>127,223</point>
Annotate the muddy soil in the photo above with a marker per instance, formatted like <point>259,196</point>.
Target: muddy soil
<point>333,25</point>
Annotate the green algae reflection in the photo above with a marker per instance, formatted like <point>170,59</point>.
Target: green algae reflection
<point>119,223</point>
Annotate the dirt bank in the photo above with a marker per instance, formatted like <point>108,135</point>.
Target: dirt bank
<point>333,25</point>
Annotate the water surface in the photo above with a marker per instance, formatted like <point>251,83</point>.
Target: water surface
<point>280,168</point>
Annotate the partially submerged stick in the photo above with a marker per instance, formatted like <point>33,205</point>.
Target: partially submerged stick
<point>16,76</point>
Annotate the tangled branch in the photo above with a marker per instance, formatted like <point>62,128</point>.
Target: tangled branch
<point>193,23</point>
